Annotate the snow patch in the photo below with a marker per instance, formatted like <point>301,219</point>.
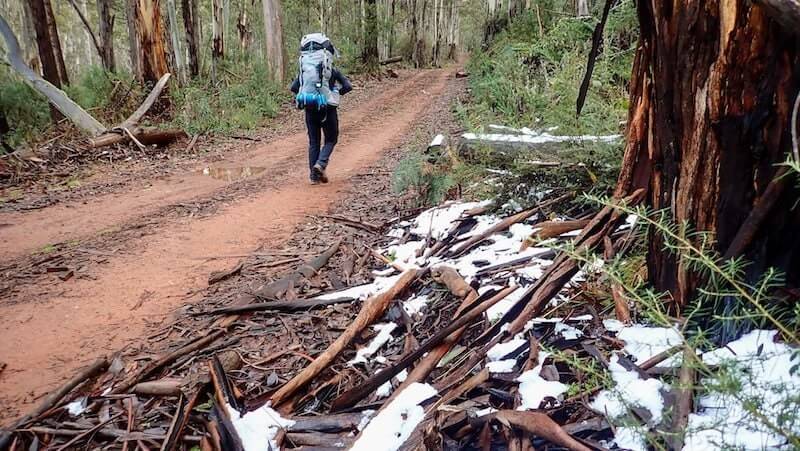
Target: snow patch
<point>629,390</point>
<point>533,388</point>
<point>643,342</point>
<point>501,366</point>
<point>257,429</point>
<point>395,423</point>
<point>384,335</point>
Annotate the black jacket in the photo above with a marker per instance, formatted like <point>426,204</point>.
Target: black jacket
<point>336,77</point>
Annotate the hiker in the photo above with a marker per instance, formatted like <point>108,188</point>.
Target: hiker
<point>318,88</point>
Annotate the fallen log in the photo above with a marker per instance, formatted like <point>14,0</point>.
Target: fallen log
<point>353,396</point>
<point>278,288</point>
<point>144,136</point>
<point>552,229</point>
<point>371,310</point>
<point>391,60</point>
<point>472,145</point>
<point>55,397</point>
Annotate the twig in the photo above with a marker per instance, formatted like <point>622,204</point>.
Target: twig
<point>95,368</point>
<point>795,126</point>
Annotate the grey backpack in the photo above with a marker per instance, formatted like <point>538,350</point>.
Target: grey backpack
<point>316,67</point>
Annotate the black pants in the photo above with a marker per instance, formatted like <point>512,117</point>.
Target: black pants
<point>318,122</point>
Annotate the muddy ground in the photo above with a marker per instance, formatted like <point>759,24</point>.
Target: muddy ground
<point>136,243</point>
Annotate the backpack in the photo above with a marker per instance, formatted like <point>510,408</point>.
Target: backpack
<point>315,69</point>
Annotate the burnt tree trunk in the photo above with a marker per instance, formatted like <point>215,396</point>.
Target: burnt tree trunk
<point>151,47</point>
<point>47,54</point>
<point>106,34</point>
<point>369,55</point>
<point>55,42</point>
<point>192,27</point>
<point>711,99</point>
<point>217,30</point>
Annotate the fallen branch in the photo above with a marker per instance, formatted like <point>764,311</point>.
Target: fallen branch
<point>55,96</point>
<point>503,225</point>
<point>192,346</point>
<point>350,398</point>
<point>54,398</point>
<point>540,425</point>
<point>278,288</point>
<point>371,310</point>
<point>277,306</point>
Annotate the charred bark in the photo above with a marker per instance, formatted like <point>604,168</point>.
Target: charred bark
<point>192,26</point>
<point>106,34</point>
<point>711,94</point>
<point>369,55</point>
<point>55,41</point>
<point>47,54</point>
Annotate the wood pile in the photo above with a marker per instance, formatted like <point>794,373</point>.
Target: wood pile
<point>451,328</point>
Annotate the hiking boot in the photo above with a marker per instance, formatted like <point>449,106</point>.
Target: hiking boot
<point>319,171</point>
<point>314,182</point>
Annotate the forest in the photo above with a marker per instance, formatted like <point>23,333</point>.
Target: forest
<point>531,224</point>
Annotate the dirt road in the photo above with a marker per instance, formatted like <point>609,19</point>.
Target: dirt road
<point>48,333</point>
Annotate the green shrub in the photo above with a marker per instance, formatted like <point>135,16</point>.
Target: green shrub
<point>25,110</point>
<point>416,175</point>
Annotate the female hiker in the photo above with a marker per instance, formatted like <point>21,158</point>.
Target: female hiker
<point>318,87</point>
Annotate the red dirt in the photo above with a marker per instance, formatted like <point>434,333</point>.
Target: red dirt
<point>49,334</point>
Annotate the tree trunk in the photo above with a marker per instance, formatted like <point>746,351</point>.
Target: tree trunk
<point>175,40</point>
<point>55,41</point>
<point>711,99</point>
<point>106,34</point>
<point>243,27</point>
<point>151,46</point>
<point>392,28</point>
<point>582,8</point>
<point>65,105</point>
<point>369,56</point>
<point>217,30</point>
<point>47,55</point>
<point>31,52</point>
<point>191,26</point>
<point>273,37</point>
<point>133,44</point>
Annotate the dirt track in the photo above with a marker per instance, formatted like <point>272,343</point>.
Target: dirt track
<point>50,332</point>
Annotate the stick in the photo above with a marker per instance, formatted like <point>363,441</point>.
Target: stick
<point>621,309</point>
<point>280,306</point>
<point>326,423</point>
<point>350,398</point>
<point>371,310</point>
<point>276,289</point>
<point>685,393</point>
<point>503,225</point>
<point>155,93</point>
<point>173,434</point>
<point>540,425</point>
<point>54,398</point>
<point>188,348</point>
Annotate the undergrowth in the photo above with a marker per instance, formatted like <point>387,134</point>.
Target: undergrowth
<point>729,304</point>
<point>240,100</point>
<point>529,77</point>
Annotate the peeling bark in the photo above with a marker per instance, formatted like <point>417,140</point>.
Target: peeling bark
<point>724,74</point>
